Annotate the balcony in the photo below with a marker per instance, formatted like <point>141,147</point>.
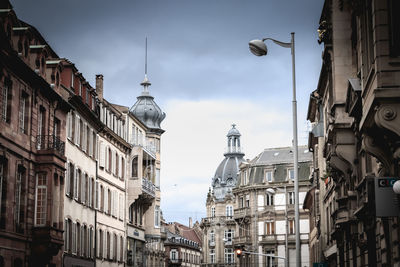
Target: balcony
<point>149,188</point>
<point>175,262</point>
<point>228,243</point>
<point>268,239</point>
<point>50,142</point>
<point>211,243</point>
<point>241,240</point>
<point>241,213</point>
<point>46,242</point>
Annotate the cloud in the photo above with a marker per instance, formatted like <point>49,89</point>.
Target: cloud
<point>195,140</point>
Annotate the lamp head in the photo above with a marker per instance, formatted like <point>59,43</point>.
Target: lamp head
<point>396,187</point>
<point>258,48</point>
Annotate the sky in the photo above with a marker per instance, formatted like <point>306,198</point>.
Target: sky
<point>202,73</point>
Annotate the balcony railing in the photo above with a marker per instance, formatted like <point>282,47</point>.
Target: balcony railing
<point>241,240</point>
<point>241,212</point>
<point>45,142</point>
<point>148,187</point>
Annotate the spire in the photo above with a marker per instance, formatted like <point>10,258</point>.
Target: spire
<point>146,83</point>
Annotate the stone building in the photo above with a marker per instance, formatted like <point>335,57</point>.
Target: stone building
<point>219,226</point>
<point>146,235</point>
<point>355,136</point>
<point>80,205</point>
<point>32,147</point>
<point>265,209</point>
<point>183,245</point>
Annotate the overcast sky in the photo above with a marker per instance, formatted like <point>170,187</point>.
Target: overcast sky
<point>202,73</point>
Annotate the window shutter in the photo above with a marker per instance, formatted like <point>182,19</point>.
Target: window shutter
<point>121,206</point>
<point>98,244</point>
<point>112,246</point>
<point>74,238</point>
<point>118,249</point>
<point>77,133</point>
<point>67,182</point>
<point>84,139</point>
<point>107,163</point>
<point>113,158</point>
<point>105,200</point>
<point>89,196</point>
<point>96,148</point>
<point>83,183</point>
<point>120,167</point>
<point>105,245</point>
<point>102,155</point>
<point>90,143</point>
<point>97,194</point>
<point>76,184</point>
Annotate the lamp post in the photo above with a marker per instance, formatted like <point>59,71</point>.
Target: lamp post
<point>258,48</point>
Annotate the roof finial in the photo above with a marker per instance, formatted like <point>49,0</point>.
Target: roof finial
<point>233,125</point>
<point>146,83</point>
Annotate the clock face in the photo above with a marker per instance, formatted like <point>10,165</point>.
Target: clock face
<point>229,181</point>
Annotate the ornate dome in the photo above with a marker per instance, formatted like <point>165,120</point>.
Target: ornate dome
<point>146,109</point>
<point>225,177</point>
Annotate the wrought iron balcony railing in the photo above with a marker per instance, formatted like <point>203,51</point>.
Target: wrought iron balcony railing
<point>45,142</point>
<point>148,187</point>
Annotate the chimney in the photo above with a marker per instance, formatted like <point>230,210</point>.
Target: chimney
<point>99,86</point>
<point>190,222</point>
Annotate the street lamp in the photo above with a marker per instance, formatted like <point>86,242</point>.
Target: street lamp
<point>258,48</point>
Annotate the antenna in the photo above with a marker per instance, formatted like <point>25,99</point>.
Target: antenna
<point>145,60</point>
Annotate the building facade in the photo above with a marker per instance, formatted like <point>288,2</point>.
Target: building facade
<point>83,126</point>
<point>355,135</point>
<point>32,147</point>
<point>219,226</point>
<point>79,176</point>
<point>265,208</point>
<point>183,245</point>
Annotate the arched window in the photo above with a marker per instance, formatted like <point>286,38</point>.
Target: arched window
<point>135,167</point>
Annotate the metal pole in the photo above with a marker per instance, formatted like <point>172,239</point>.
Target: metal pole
<point>295,159</point>
<point>286,232</point>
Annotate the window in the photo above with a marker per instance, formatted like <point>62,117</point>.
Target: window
<point>90,252</point>
<point>268,176</point>
<point>247,201</point>
<point>229,211</point>
<point>115,245</point>
<point>291,227</point>
<point>291,174</point>
<point>78,185</point>
<point>241,202</point>
<point>212,236</point>
<point>23,112</point>
<point>174,254</point>
<point>122,168</point>
<point>3,192</point>
<point>229,234</point>
<point>394,26</point>
<point>157,216</point>
<point>212,211</point>
<point>121,251</point>
<point>101,198</point>
<point>269,199</point>
<point>109,166</point>
<point>116,165</point>
<point>41,198</point>
<point>212,255</point>
<point>108,255</point>
<point>109,201</point>
<point>291,198</point>
<point>367,39</point>
<point>19,199</point>
<point>101,244</point>
<point>68,235</point>
<point>78,239</point>
<point>70,180</point>
<point>7,101</point>
<point>270,260</point>
<point>229,255</point>
<point>134,167</point>
<point>269,228</point>
<point>41,127</point>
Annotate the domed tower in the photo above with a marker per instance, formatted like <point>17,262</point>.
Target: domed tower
<point>225,177</point>
<point>147,110</point>
<point>219,226</point>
